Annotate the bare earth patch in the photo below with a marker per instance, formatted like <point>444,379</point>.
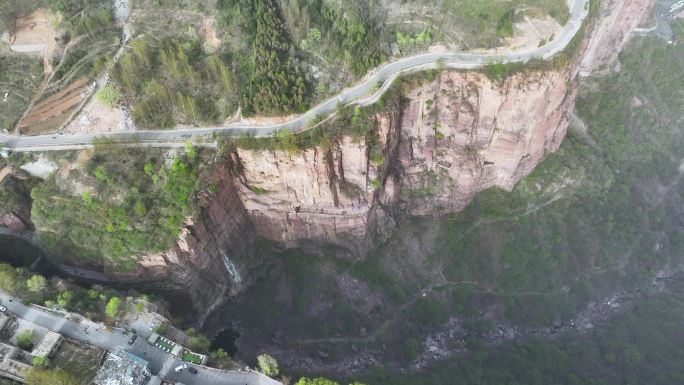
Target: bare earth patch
<point>263,120</point>
<point>52,111</point>
<point>531,32</point>
<point>42,168</point>
<point>34,34</point>
<point>98,118</point>
<point>208,33</point>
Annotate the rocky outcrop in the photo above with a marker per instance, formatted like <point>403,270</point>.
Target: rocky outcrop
<point>12,222</point>
<point>617,19</point>
<point>464,133</point>
<point>319,195</point>
<point>449,138</point>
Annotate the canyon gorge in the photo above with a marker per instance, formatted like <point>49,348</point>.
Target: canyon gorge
<point>443,141</point>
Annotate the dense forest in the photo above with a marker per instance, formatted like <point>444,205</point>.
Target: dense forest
<point>275,80</point>
<point>170,83</point>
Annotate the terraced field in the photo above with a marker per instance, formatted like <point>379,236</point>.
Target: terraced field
<point>54,109</point>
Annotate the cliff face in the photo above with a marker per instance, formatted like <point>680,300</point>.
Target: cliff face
<point>15,203</point>
<point>448,139</point>
<point>318,195</point>
<point>451,138</point>
<point>213,255</point>
<point>12,222</point>
<point>617,20</point>
<point>464,133</point>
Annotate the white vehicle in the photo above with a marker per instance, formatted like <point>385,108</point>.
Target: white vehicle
<point>180,368</point>
<point>2,308</point>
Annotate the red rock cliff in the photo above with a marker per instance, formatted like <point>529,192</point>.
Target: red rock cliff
<point>451,138</point>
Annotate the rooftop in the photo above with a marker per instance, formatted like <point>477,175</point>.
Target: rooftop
<point>47,345</point>
<point>10,365</point>
<point>123,368</point>
<point>3,320</point>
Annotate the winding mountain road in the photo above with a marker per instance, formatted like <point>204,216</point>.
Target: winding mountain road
<point>382,75</point>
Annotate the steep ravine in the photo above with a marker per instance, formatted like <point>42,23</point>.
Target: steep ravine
<point>448,139</point>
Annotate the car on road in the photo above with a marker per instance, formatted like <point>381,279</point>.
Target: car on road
<point>181,367</point>
<point>132,339</point>
<point>192,370</point>
<point>2,308</point>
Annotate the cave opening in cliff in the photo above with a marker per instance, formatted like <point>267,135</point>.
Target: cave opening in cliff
<point>226,339</point>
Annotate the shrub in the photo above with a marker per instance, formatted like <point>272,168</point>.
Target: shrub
<point>108,96</point>
<point>38,361</point>
<point>268,365</point>
<point>26,338</point>
<point>112,309</point>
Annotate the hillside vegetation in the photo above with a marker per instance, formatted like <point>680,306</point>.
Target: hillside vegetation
<point>170,83</point>
<point>640,346</point>
<point>286,55</point>
<point>136,202</point>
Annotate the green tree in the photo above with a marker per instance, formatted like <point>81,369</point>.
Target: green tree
<point>190,150</point>
<point>26,338</point>
<point>38,361</point>
<point>112,308</point>
<point>93,294</point>
<point>314,35</point>
<point>108,95</point>
<point>101,173</point>
<point>199,343</point>
<point>149,168</point>
<point>268,365</point>
<point>51,377</point>
<point>36,284</point>
<point>221,358</point>
<point>64,299</point>
<point>140,210</point>
<point>86,197</point>
<point>9,281</point>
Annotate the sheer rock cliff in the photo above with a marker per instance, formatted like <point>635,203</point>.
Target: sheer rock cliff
<point>447,139</point>
<point>617,19</point>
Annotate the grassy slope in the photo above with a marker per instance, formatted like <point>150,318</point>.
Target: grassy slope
<point>19,77</point>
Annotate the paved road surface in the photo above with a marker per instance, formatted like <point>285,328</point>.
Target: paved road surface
<point>356,95</point>
<point>161,362</point>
